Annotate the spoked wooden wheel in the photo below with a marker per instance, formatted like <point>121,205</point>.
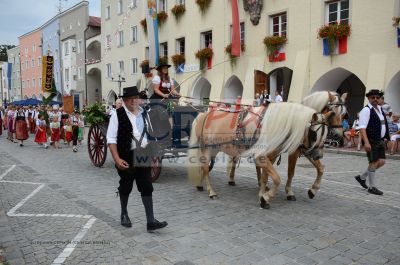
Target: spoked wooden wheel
<point>97,146</point>
<point>156,165</point>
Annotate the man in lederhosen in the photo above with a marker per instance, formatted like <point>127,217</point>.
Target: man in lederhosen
<point>127,138</point>
<point>373,130</point>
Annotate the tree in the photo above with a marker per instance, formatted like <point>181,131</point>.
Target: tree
<point>3,51</point>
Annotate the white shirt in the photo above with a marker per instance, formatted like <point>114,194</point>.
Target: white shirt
<point>364,118</point>
<point>112,131</point>
<point>356,125</point>
<point>157,80</point>
<point>278,99</point>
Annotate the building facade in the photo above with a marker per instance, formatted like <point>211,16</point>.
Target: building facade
<point>73,24</point>
<point>368,60</point>
<point>5,86</point>
<point>93,60</point>
<point>13,59</point>
<point>51,46</point>
<point>31,63</point>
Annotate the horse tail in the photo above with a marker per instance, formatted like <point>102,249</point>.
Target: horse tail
<point>194,153</point>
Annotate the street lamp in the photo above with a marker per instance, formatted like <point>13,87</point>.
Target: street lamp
<point>119,81</point>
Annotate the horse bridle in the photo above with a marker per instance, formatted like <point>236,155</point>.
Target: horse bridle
<point>330,107</point>
<point>312,136</point>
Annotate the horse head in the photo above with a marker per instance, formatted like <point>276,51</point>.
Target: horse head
<point>336,104</point>
<point>316,134</point>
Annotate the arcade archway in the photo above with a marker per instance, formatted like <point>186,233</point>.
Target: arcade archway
<point>111,98</point>
<point>280,79</point>
<point>341,80</point>
<point>392,93</point>
<point>94,86</point>
<point>232,90</point>
<point>201,89</point>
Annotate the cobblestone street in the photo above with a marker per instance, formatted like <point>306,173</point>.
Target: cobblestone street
<point>56,207</point>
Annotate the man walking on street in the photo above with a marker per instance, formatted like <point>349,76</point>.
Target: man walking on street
<point>373,130</point>
<point>127,138</point>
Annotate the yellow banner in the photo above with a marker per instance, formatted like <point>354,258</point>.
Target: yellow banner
<point>47,73</point>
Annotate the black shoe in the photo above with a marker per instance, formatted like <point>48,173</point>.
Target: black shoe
<point>156,225</point>
<point>361,181</point>
<point>125,221</point>
<point>375,191</point>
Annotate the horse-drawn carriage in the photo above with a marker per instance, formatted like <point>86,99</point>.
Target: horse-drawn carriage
<point>172,141</point>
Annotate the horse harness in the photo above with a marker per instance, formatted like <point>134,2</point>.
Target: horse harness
<point>312,136</point>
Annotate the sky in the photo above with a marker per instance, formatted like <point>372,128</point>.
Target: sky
<point>18,17</point>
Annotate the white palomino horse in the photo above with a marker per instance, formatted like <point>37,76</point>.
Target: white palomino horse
<point>284,127</point>
<point>323,102</point>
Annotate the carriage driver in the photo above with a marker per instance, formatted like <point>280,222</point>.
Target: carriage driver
<point>127,137</point>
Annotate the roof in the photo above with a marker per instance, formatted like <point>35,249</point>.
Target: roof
<point>94,21</point>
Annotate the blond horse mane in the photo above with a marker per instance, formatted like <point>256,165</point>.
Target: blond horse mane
<point>319,100</point>
<point>283,128</point>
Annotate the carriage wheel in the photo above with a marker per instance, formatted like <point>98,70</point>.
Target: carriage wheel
<point>156,165</point>
<point>97,146</point>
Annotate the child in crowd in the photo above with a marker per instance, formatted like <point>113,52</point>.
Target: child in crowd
<point>68,132</point>
<point>41,137</point>
<point>81,130</point>
<point>55,132</point>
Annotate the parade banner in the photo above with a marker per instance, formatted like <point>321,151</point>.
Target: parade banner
<point>68,104</point>
<point>235,51</point>
<point>47,74</point>
<point>152,32</point>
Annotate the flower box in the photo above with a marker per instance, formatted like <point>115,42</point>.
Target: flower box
<point>178,59</point>
<point>334,36</point>
<point>143,22</point>
<point>203,4</point>
<point>163,60</point>
<point>274,45</point>
<point>396,24</point>
<point>178,11</point>
<point>228,49</point>
<point>145,66</point>
<point>203,55</point>
<point>162,18</point>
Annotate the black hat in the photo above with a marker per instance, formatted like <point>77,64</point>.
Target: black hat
<point>130,92</point>
<point>143,95</point>
<point>374,92</point>
<point>162,65</point>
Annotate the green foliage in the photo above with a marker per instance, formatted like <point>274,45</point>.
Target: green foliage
<point>95,114</point>
<point>3,51</point>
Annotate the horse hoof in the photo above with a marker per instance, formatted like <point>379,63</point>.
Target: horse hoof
<point>199,188</point>
<point>264,204</point>
<point>213,197</point>
<point>291,198</point>
<point>311,195</point>
<point>232,183</point>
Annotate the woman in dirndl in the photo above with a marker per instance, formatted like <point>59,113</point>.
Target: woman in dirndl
<point>21,126</point>
<point>10,123</point>
<point>55,132</point>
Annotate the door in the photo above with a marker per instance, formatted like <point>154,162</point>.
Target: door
<point>260,82</point>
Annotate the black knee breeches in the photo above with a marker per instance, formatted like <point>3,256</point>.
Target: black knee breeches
<point>142,175</point>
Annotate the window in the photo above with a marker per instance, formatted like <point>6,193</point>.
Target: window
<point>23,84</point>
<point>34,47</point>
<point>108,70</point>
<point>26,64</point>
<point>337,12</point>
<point>26,51</point>
<point>66,48</point>
<point>27,83</point>
<point>278,25</point>
<point>121,66</point>
<point>108,12</point>
<point>180,2</point>
<point>134,33</point>
<point>33,82</point>
<point>146,53</point>
<point>66,77</point>
<point>206,39</point>
<point>119,7</point>
<point>134,65</point>
<point>56,54</point>
<point>133,4</point>
<point>120,38</point>
<point>80,73</point>
<point>108,42</point>
<point>164,49</point>
<point>180,46</point>
<point>39,61</point>
<point>162,5</point>
<point>40,82</point>
<point>80,46</point>
<point>33,63</point>
<point>242,33</point>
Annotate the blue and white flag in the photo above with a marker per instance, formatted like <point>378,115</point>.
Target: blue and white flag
<point>152,32</point>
